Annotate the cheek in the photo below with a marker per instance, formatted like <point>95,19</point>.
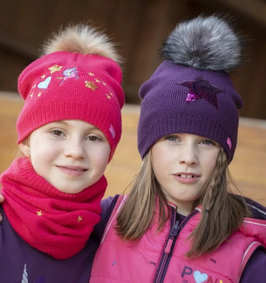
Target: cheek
<point>211,162</point>
<point>158,156</point>
<point>100,158</point>
<point>163,161</point>
<point>43,151</point>
<point>161,169</point>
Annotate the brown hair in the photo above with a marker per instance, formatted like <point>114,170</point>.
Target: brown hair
<point>218,203</point>
<point>136,214</point>
<point>222,210</point>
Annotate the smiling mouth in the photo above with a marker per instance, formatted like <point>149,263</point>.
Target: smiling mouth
<point>73,169</point>
<point>187,176</point>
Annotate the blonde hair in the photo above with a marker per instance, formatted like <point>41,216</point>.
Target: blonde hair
<point>218,203</point>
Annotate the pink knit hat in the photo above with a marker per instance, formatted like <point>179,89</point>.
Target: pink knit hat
<point>78,79</point>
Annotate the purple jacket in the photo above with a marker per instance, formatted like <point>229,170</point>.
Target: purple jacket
<point>19,262</point>
<point>255,270</point>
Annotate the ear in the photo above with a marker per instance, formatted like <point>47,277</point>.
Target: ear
<point>25,148</point>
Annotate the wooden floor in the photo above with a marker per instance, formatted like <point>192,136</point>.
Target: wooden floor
<point>248,167</point>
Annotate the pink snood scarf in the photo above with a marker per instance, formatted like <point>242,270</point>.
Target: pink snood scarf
<point>51,221</point>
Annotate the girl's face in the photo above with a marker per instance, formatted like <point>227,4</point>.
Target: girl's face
<point>182,164</point>
<point>70,154</point>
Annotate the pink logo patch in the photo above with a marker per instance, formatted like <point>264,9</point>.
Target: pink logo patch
<point>112,131</point>
<point>229,143</point>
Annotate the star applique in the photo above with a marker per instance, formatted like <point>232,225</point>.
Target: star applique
<point>79,218</point>
<point>90,85</point>
<point>91,74</point>
<point>109,95</point>
<point>39,213</point>
<point>55,68</point>
<point>201,89</point>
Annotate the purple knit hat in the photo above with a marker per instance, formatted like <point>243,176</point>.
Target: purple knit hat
<point>191,92</point>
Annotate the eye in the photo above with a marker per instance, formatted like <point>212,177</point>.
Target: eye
<point>172,138</point>
<point>57,133</point>
<point>209,142</point>
<point>94,138</point>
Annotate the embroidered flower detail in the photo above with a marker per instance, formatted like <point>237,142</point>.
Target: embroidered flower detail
<point>229,142</point>
<point>79,218</point>
<point>201,89</point>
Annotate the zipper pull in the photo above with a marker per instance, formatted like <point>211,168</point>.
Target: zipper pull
<point>174,229</point>
<point>173,233</point>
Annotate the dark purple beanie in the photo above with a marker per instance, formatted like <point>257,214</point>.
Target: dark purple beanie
<point>190,98</point>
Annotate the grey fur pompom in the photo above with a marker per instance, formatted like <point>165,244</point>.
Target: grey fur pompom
<point>206,43</point>
<point>83,39</point>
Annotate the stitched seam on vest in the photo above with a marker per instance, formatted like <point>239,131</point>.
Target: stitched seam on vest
<point>111,221</point>
<point>255,223</point>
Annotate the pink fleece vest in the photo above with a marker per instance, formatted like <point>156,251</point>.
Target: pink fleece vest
<point>139,261</point>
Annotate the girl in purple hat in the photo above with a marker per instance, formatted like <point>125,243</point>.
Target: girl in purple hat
<point>182,220</point>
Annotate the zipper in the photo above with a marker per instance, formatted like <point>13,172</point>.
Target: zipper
<point>170,243</point>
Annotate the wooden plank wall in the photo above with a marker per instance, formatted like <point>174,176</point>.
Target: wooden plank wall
<point>139,27</point>
<point>248,167</point>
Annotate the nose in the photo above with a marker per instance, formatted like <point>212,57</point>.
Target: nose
<point>74,149</point>
<point>188,154</point>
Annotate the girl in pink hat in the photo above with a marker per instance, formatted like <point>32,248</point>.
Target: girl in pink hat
<point>68,131</point>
